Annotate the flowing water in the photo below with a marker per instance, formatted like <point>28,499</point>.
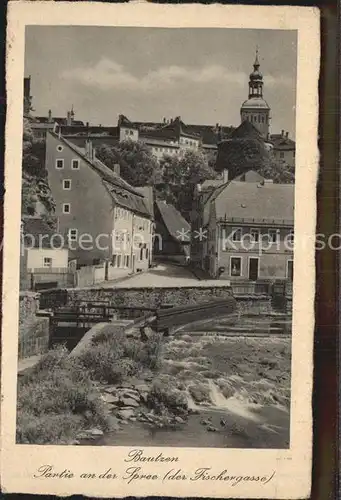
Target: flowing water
<point>223,422</point>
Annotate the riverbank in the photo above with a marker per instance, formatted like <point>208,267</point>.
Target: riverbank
<point>183,391</point>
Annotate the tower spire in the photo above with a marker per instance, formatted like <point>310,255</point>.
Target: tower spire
<point>256,63</point>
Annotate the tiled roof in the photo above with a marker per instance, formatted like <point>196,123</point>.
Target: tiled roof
<point>59,120</point>
<point>147,192</point>
<point>34,228</point>
<point>283,144</point>
<point>262,202</point>
<point>173,220</point>
<point>121,191</point>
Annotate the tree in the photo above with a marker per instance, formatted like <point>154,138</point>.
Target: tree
<point>241,154</point>
<point>137,165</point>
<point>35,187</point>
<point>180,176</point>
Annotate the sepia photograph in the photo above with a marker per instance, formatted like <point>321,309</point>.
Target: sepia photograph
<point>160,213</point>
<point>157,237</point>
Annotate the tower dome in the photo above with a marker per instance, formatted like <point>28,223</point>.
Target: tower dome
<point>255,109</point>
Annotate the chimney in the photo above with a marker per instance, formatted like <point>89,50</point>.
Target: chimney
<point>68,119</point>
<point>225,175</point>
<point>117,169</point>
<point>282,133</point>
<point>50,116</point>
<point>88,149</point>
<point>287,135</point>
<point>87,124</point>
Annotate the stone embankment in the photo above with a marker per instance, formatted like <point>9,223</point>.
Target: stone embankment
<point>134,403</point>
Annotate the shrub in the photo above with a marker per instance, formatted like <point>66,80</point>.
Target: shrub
<point>104,363</point>
<point>164,392</point>
<point>57,402</point>
<point>43,429</point>
<point>200,393</point>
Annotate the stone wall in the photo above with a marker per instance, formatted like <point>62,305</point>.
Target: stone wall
<point>28,305</point>
<point>135,297</point>
<point>33,330</point>
<point>254,305</point>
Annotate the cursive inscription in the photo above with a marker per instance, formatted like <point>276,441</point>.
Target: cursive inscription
<point>48,471</point>
<point>139,456</point>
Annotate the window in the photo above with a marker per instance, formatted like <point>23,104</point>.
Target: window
<point>131,132</point>
<point>119,260</point>
<point>60,148</point>
<point>47,262</point>
<point>290,238</point>
<point>281,155</point>
<point>73,234</point>
<point>66,208</point>
<point>67,184</point>
<point>59,163</point>
<point>235,266</point>
<point>273,235</point>
<point>254,233</point>
<point>236,234</point>
<point>114,260</point>
<point>75,164</point>
<point>127,132</point>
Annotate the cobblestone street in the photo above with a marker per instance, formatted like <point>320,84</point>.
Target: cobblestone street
<point>164,275</point>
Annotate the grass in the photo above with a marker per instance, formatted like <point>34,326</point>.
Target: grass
<point>58,399</point>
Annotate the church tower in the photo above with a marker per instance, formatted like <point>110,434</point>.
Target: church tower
<point>255,109</point>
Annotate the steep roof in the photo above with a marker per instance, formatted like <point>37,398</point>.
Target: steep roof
<point>262,202</point>
<point>148,193</point>
<point>121,191</point>
<point>38,234</point>
<point>173,220</point>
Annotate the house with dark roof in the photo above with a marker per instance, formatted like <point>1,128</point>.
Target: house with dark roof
<point>102,217</point>
<point>172,234</point>
<point>44,256</point>
<point>248,227</point>
<point>284,148</point>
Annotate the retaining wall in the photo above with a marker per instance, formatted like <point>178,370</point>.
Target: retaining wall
<point>254,305</point>
<point>135,297</point>
<point>33,330</point>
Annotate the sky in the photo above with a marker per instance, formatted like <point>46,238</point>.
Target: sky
<point>149,74</point>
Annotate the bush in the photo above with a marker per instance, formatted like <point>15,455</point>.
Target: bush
<point>47,429</point>
<point>200,393</point>
<point>164,392</point>
<point>55,403</point>
<point>104,363</point>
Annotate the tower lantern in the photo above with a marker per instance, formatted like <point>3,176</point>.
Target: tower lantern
<point>255,109</point>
